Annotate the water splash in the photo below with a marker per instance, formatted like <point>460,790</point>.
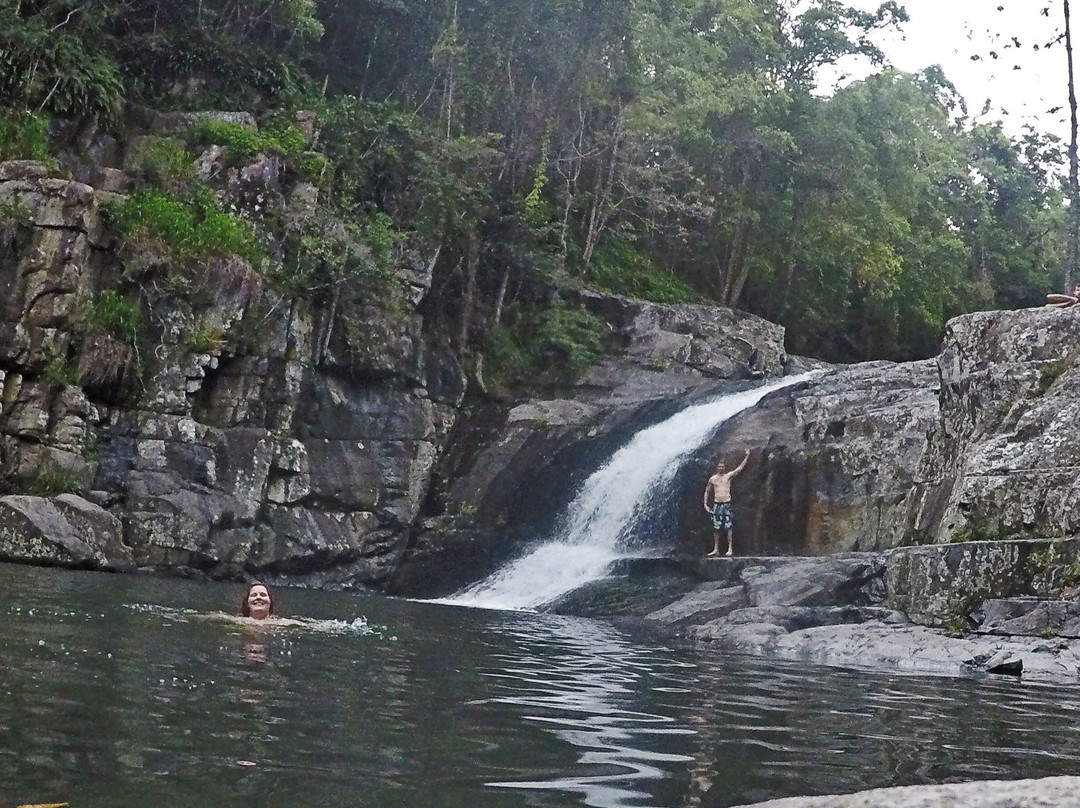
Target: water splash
<point>600,524</point>
<point>358,625</point>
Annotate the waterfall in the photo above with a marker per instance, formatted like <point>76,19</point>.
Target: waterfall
<point>599,526</point>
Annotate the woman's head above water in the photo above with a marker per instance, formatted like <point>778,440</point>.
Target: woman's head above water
<point>257,603</point>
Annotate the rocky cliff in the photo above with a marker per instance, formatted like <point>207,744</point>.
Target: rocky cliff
<point>241,432</point>
<point>210,422</point>
<point>972,445</point>
<point>512,467</point>
<point>231,428</point>
<point>975,444</point>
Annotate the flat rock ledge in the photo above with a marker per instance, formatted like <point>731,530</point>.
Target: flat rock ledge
<point>973,609</point>
<point>1048,792</point>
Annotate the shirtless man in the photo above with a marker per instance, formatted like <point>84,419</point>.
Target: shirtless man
<point>720,487</point>
<point>1055,301</point>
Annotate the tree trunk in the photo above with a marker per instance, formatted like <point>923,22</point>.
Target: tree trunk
<point>469,302</point>
<point>571,177</point>
<point>602,207</point>
<point>500,298</point>
<point>732,266</point>
<point>1074,171</point>
<point>743,273</point>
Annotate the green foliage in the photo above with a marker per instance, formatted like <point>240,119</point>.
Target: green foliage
<point>91,443</point>
<point>24,136</point>
<point>60,371</point>
<point>244,141</point>
<point>376,230</point>
<point>113,314</point>
<point>191,228</point>
<point>974,531</point>
<point>957,623</point>
<point>52,480</point>
<point>620,269</point>
<point>206,339</point>
<point>1050,372</point>
<point>49,67</point>
<point>559,340</point>
<point>507,359</point>
<point>1039,561</point>
<point>669,151</point>
<point>165,160</point>
<point>14,220</point>
<point>314,167</point>
<point>240,140</point>
<point>323,253</point>
<point>1071,576</point>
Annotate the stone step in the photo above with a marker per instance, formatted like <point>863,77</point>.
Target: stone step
<point>1027,617</point>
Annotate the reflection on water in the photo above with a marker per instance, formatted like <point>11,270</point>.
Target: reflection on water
<point>122,690</point>
<point>770,730</point>
<point>582,682</point>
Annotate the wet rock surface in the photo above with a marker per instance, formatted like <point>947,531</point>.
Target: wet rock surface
<point>849,610</point>
<point>510,470</point>
<point>975,444</point>
<point>1048,792</point>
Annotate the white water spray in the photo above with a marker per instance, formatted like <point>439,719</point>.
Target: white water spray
<point>600,523</point>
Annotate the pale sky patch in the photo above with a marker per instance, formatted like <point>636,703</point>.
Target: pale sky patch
<point>1022,84</point>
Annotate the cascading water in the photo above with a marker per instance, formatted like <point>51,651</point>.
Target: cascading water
<point>599,525</point>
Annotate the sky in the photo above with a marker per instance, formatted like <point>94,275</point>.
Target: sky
<point>950,32</point>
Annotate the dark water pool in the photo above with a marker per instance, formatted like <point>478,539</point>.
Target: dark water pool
<point>123,691</point>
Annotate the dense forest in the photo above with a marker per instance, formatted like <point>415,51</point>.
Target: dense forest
<point>672,150</point>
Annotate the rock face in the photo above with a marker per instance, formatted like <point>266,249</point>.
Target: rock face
<point>1004,461</point>
<point>245,432</point>
<point>1005,608</point>
<point>1048,792</point>
<point>833,462</point>
<point>511,469</point>
<point>65,530</point>
<point>689,342</point>
<point>976,444</point>
<point>941,585</point>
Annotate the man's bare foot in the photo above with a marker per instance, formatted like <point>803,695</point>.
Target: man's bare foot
<point>713,553</point>
<point>730,553</point>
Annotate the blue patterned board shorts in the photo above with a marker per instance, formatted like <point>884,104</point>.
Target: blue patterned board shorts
<point>721,515</point>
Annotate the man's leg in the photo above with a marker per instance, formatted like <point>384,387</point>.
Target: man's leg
<point>716,543</point>
<point>730,545</point>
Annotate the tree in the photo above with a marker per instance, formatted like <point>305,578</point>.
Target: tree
<point>1072,243</point>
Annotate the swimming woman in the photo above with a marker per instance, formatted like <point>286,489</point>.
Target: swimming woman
<point>257,603</point>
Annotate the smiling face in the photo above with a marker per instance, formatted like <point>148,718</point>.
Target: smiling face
<point>258,602</point>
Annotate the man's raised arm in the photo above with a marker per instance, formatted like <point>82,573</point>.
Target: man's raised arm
<point>742,465</point>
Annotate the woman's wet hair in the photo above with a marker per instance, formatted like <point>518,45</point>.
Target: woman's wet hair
<point>245,609</point>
